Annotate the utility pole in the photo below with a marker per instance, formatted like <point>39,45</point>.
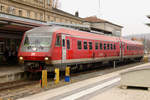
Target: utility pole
<point>99,8</point>
<point>99,4</point>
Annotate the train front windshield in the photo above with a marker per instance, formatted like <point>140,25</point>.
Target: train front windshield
<point>36,42</point>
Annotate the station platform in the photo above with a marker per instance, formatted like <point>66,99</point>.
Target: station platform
<point>10,73</point>
<point>105,87</point>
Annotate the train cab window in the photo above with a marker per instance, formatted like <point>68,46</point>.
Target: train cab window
<point>63,42</point>
<point>85,44</point>
<point>68,44</point>
<point>90,45</point>
<point>107,46</point>
<point>58,40</point>
<point>101,46</point>
<point>111,46</point>
<point>96,45</point>
<point>79,43</point>
<point>114,46</point>
<point>104,46</point>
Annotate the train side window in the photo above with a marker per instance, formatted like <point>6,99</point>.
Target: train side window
<point>63,42</point>
<point>111,47</point>
<point>85,44</point>
<point>79,45</point>
<point>90,45</point>
<point>68,44</point>
<point>115,46</point>
<point>107,46</point>
<point>57,40</point>
<point>101,46</point>
<point>96,45</point>
<point>104,46</point>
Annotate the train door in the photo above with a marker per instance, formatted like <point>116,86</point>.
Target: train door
<point>122,49</point>
<point>91,52</point>
<point>63,48</point>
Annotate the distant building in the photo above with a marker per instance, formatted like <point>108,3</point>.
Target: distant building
<point>41,10</point>
<point>103,25</point>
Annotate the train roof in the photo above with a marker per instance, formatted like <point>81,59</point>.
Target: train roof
<point>84,34</point>
<point>131,42</point>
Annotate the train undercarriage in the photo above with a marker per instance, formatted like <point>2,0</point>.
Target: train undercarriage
<point>38,66</point>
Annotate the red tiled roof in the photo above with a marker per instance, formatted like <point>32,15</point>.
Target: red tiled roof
<point>94,19</point>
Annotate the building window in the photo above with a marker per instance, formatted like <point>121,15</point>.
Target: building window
<point>68,44</point>
<point>28,13</point>
<point>54,19</point>
<point>90,45</point>
<point>35,15</point>
<point>41,1</point>
<point>20,12</point>
<point>96,45</point>
<point>14,11</point>
<point>41,16</point>
<point>1,7</point>
<point>48,2</point>
<point>36,1</point>
<point>79,45</point>
<point>48,17</point>
<point>11,10</point>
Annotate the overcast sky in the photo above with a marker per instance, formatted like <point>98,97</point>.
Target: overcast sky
<point>131,14</point>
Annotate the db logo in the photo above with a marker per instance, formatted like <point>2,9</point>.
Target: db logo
<point>32,54</point>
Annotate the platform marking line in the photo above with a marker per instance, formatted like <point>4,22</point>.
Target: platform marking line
<point>91,90</point>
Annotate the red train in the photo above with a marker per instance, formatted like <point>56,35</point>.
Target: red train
<point>55,46</point>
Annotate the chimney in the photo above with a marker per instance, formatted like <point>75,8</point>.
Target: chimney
<point>77,14</point>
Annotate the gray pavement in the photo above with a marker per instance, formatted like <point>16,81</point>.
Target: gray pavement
<point>91,89</point>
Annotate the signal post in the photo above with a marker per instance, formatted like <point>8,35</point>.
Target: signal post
<point>44,79</point>
<point>67,74</point>
<point>56,75</point>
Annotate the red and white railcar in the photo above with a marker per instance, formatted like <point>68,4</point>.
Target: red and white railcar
<point>55,46</point>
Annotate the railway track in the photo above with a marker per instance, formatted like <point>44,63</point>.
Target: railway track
<point>22,88</point>
<point>16,84</point>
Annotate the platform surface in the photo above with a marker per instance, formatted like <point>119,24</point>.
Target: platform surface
<point>105,87</point>
<point>122,94</point>
<point>7,70</point>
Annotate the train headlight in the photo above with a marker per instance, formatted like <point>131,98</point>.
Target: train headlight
<point>21,58</point>
<point>21,61</point>
<point>46,58</point>
<point>34,49</point>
